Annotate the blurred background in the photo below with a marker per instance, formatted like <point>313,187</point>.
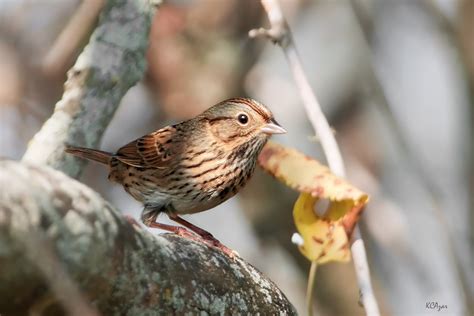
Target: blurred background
<point>395,79</point>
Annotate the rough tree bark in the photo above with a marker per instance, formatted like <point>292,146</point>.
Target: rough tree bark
<point>121,269</point>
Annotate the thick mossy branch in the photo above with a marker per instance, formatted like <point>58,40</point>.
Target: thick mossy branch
<point>111,63</point>
<point>121,269</point>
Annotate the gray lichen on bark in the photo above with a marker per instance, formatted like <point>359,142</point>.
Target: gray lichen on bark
<point>111,63</point>
<point>121,269</point>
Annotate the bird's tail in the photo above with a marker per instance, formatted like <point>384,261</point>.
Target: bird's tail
<point>92,154</point>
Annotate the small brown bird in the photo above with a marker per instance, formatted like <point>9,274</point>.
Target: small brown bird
<point>192,166</point>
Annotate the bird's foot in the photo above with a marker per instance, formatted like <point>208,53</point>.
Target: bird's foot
<point>207,239</point>
<point>211,241</point>
<point>194,233</point>
<point>205,236</point>
<point>183,232</point>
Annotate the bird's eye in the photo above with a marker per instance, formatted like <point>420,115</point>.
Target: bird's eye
<point>243,118</point>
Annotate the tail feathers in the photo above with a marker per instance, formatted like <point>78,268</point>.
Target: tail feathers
<point>91,154</point>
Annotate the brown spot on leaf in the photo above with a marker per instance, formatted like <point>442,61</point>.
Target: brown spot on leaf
<point>317,240</point>
<point>323,253</point>
<point>344,247</point>
<point>351,218</point>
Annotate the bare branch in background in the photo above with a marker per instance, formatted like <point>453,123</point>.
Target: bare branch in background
<point>80,24</point>
<point>112,62</point>
<point>280,34</point>
<point>416,165</point>
<point>121,268</point>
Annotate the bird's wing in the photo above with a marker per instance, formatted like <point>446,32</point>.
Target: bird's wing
<point>150,151</point>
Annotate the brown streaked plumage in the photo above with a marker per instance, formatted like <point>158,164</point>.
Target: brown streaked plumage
<point>192,166</point>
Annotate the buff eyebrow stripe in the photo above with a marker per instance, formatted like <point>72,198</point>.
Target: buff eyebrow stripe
<point>216,119</point>
<point>252,106</point>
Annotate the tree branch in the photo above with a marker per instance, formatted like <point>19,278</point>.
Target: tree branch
<point>71,37</point>
<point>122,269</point>
<point>280,34</point>
<point>112,62</point>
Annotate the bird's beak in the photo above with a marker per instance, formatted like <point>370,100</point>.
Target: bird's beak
<point>273,128</point>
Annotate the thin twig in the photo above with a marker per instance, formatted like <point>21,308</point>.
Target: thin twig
<point>310,287</point>
<point>280,34</point>
<point>64,47</point>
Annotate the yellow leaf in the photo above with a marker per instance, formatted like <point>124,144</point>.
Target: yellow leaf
<point>324,240</point>
<point>326,236</point>
<point>306,174</point>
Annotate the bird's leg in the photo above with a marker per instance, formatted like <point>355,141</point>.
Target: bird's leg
<point>201,232</point>
<point>180,231</point>
<point>206,236</point>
